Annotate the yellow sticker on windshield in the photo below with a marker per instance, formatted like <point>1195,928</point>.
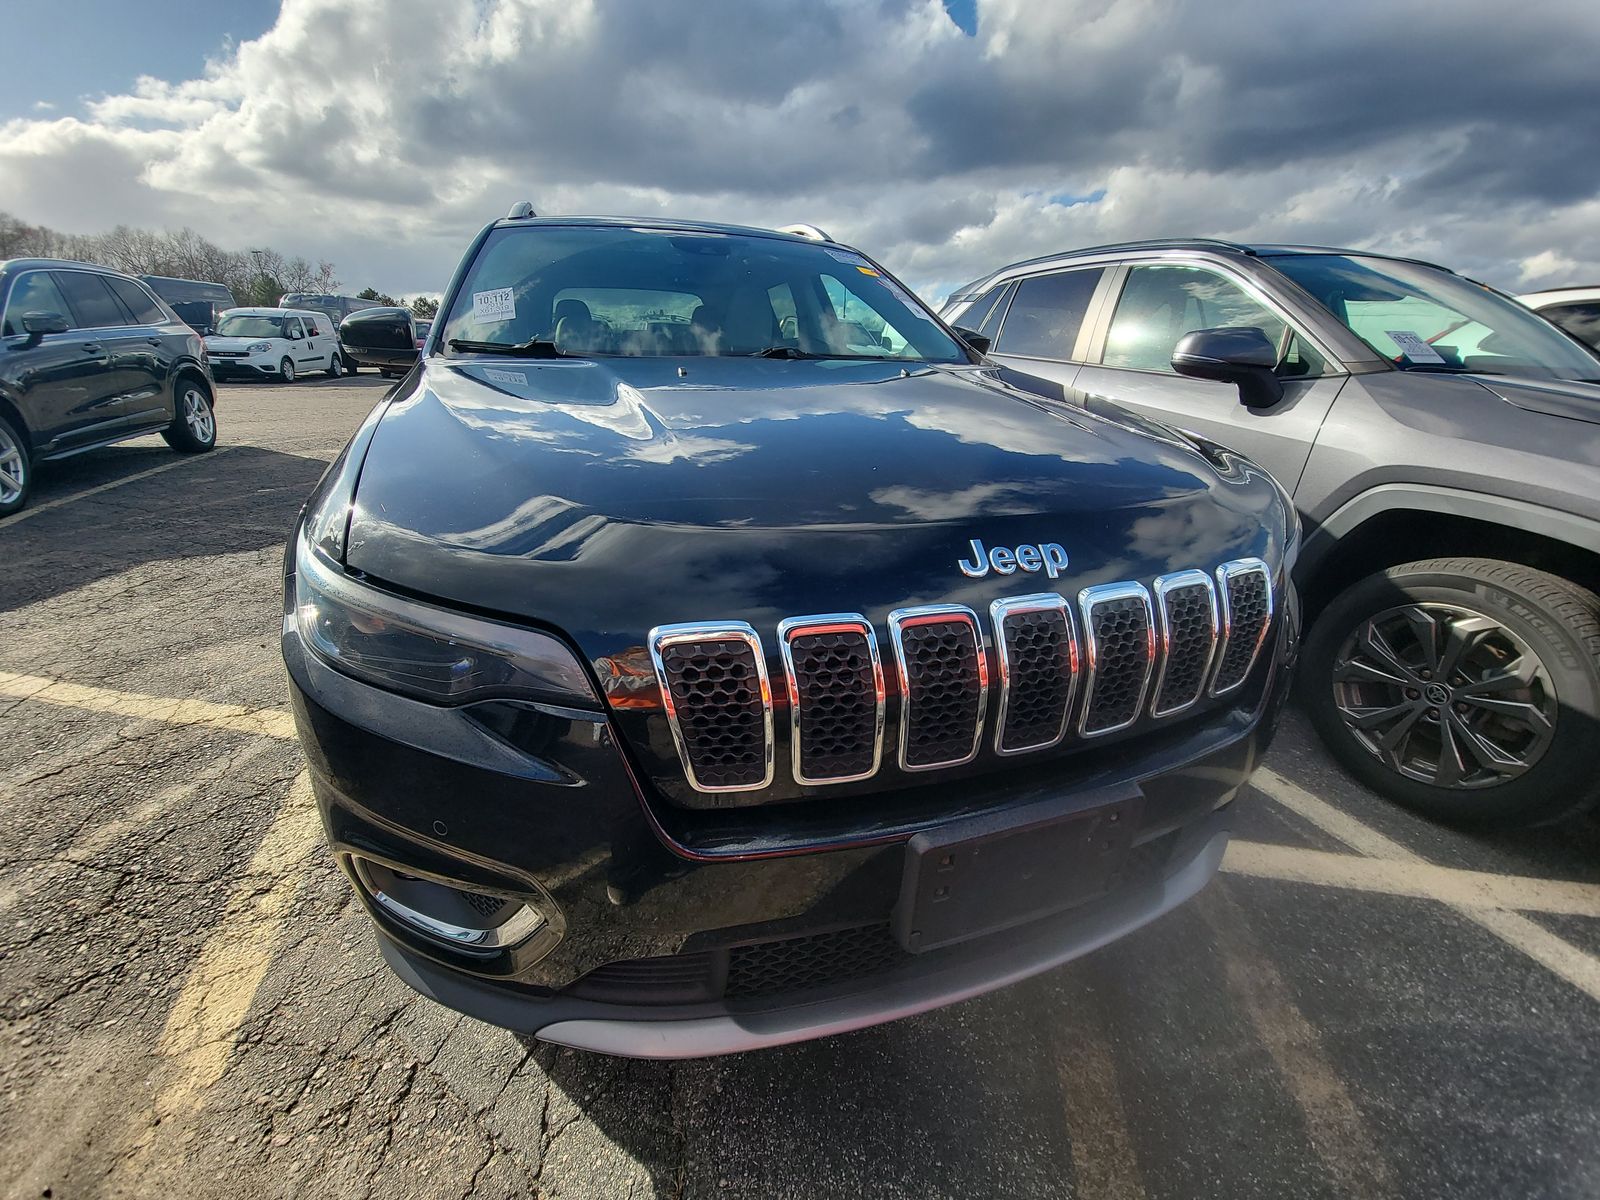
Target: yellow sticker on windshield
<point>867,271</point>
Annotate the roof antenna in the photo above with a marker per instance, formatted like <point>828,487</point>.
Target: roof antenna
<point>521,210</point>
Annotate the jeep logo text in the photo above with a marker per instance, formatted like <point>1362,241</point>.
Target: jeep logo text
<point>1048,557</point>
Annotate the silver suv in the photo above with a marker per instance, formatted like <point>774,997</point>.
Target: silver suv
<point>1442,444</point>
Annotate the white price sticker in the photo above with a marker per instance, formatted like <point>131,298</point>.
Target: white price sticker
<point>494,375</point>
<point>497,305</point>
<point>1413,347</point>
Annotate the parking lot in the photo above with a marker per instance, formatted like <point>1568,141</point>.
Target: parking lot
<point>192,1004</point>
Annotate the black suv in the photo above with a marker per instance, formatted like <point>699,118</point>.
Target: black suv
<point>704,649</point>
<point>1443,446</point>
<point>89,357</point>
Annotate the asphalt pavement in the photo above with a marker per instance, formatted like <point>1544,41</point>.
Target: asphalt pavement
<point>191,1003</point>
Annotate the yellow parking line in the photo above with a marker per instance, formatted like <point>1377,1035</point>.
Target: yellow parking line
<point>35,510</point>
<point>1555,954</point>
<point>1448,885</point>
<point>220,987</point>
<point>264,722</point>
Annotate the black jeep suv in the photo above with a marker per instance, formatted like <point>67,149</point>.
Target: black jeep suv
<point>89,357</point>
<point>703,649</point>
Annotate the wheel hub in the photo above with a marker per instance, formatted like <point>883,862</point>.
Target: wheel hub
<point>1445,695</point>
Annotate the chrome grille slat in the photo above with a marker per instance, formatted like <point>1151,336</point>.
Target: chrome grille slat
<point>1188,622</point>
<point>836,697</point>
<point>1245,589</point>
<point>1036,653</point>
<point>718,701</point>
<point>1119,654</point>
<point>944,685</point>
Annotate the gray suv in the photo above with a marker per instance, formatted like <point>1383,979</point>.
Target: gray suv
<point>1442,445</point>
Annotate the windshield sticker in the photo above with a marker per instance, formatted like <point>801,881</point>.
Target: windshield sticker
<point>498,305</point>
<point>899,293</point>
<point>496,376</point>
<point>844,256</point>
<point>1413,347</point>
<point>868,271</point>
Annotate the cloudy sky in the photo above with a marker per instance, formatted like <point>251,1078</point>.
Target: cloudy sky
<point>943,138</point>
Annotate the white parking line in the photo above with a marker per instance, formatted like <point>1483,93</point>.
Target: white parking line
<point>35,510</point>
<point>1577,967</point>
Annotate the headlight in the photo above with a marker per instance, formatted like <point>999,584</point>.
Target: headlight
<point>431,653</point>
<point>258,347</point>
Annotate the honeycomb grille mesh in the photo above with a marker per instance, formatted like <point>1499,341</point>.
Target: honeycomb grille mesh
<point>838,703</point>
<point>1249,608</point>
<point>815,960</point>
<point>1190,631</point>
<point>943,691</point>
<point>716,692</point>
<point>1121,632</point>
<point>1041,661</point>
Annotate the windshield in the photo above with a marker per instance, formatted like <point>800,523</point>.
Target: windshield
<point>249,325</point>
<point>599,290</point>
<point>1424,319</point>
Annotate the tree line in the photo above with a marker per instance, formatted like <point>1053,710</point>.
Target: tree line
<point>256,277</point>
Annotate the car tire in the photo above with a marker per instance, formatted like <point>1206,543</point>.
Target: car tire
<point>194,424</point>
<point>286,371</point>
<point>335,366</point>
<point>16,469</point>
<point>1467,690</point>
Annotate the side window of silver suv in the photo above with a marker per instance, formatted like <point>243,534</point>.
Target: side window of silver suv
<point>1046,314</point>
<point>1159,304</point>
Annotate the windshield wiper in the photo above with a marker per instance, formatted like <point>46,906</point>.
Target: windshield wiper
<point>787,352</point>
<point>534,348</point>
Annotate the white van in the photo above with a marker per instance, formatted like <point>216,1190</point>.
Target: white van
<point>274,343</point>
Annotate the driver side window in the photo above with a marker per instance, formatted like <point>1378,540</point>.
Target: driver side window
<point>291,329</point>
<point>1159,304</point>
<point>33,292</point>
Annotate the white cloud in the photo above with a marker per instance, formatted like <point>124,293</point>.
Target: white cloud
<point>381,133</point>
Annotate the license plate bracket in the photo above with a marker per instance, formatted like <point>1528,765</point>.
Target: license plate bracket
<point>989,873</point>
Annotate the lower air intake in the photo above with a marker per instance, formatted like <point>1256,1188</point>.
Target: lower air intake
<point>719,703</point>
<point>1246,591</point>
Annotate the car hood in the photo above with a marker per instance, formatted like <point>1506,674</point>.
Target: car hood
<point>1554,397</point>
<point>216,342</point>
<point>606,497</point>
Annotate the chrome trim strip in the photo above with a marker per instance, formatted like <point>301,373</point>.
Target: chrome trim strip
<point>670,635</point>
<point>790,628</point>
<point>1164,585</point>
<point>1227,571</point>
<point>902,618</point>
<point>999,612</point>
<point>1089,599</point>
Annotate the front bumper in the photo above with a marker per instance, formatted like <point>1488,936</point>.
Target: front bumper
<point>656,939</point>
<point>256,365</point>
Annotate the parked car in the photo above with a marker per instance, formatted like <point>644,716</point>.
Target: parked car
<point>702,649</point>
<point>89,357</point>
<point>335,307</point>
<point>381,337</point>
<point>273,343</point>
<point>1575,309</point>
<point>1442,444</point>
<point>197,302</point>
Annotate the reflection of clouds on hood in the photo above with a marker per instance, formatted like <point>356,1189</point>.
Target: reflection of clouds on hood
<point>979,500</point>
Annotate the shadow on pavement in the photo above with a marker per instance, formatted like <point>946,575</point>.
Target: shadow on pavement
<point>237,499</point>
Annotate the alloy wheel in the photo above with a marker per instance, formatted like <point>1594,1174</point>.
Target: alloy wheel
<point>13,469</point>
<point>197,415</point>
<point>1444,695</point>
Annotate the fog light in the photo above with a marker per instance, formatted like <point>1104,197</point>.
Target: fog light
<point>448,912</point>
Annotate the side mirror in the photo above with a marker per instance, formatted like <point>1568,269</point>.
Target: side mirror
<point>973,338</point>
<point>37,324</point>
<point>1240,355</point>
<point>379,337</point>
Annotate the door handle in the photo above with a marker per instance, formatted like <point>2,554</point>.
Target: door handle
<point>154,341</point>
<point>91,347</point>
